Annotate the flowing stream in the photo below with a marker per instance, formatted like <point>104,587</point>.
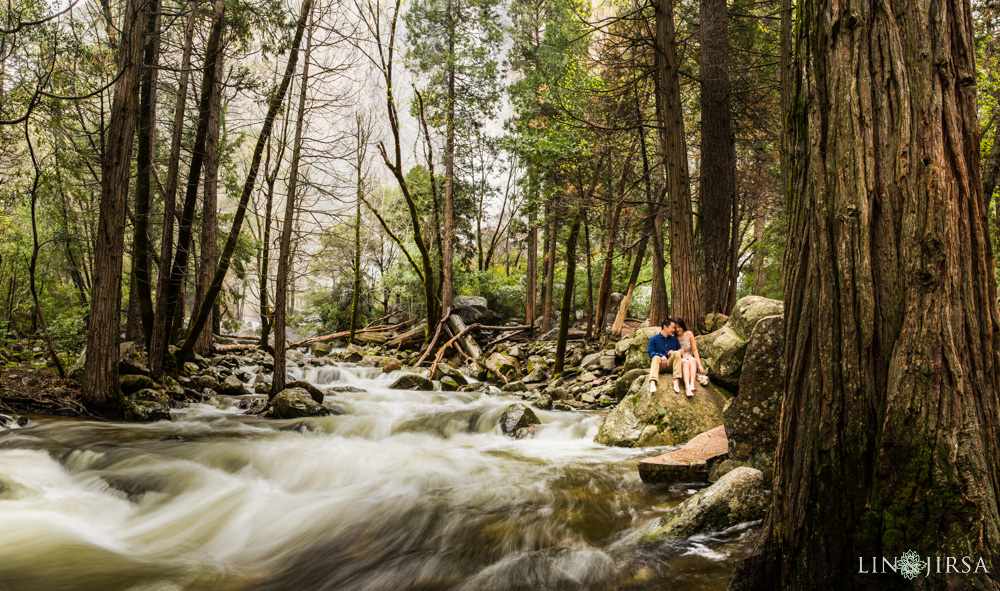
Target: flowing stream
<point>407,491</point>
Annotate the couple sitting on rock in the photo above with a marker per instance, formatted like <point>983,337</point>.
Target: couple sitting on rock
<point>676,347</point>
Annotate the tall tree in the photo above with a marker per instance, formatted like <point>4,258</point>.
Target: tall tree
<point>210,200</point>
<point>199,316</point>
<point>888,438</point>
<point>282,287</point>
<point>673,152</point>
<point>455,44</point>
<point>100,378</point>
<point>718,189</point>
<point>166,326</point>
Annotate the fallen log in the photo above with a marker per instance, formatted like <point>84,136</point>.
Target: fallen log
<point>411,336</point>
<point>466,340</point>
<point>437,333</point>
<point>345,333</point>
<point>440,353</point>
<point>505,328</point>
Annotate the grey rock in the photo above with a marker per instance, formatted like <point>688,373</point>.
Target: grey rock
<point>735,498</point>
<point>722,351</point>
<point>544,402</point>
<point>448,384</point>
<point>535,376</point>
<point>232,386</point>
<point>29,382</point>
<point>591,362</point>
<point>752,418</point>
<point>412,381</point>
<point>316,394</point>
<point>516,386</point>
<point>625,380</point>
<point>293,403</point>
<point>517,416</point>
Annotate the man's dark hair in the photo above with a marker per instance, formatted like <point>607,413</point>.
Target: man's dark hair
<point>666,322</point>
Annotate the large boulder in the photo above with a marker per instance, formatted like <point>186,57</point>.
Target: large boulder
<point>472,309</point>
<point>636,355</point>
<point>723,350</point>
<point>735,498</point>
<point>232,386</point>
<point>517,417</point>
<point>146,405</point>
<point>412,381</point>
<point>665,417</point>
<point>690,463</point>
<point>752,418</point>
<point>294,403</point>
<point>626,379</point>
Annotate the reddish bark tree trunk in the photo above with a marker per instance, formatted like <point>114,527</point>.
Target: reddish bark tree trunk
<point>889,423</point>
<point>673,150</point>
<point>100,377</point>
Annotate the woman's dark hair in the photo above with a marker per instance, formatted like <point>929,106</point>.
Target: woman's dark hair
<point>680,322</point>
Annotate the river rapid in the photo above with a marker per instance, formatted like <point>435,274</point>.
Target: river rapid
<point>406,491</point>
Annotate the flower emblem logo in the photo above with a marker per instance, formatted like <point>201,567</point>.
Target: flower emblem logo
<point>909,564</point>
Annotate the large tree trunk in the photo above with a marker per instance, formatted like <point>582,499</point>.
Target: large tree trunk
<point>718,160</point>
<point>673,151</point>
<point>210,201</point>
<point>888,437</point>
<point>170,192</point>
<point>178,270</point>
<point>100,379</point>
<point>144,166</point>
<point>282,286</point>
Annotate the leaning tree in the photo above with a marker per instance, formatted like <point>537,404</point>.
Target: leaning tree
<point>889,423</point>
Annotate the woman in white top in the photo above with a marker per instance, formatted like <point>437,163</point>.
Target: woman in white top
<point>690,359</point>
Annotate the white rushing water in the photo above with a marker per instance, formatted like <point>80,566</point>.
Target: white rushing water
<point>406,491</point>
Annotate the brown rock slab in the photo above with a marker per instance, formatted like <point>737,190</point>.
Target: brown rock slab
<point>689,463</point>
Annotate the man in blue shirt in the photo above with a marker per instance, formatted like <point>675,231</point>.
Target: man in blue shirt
<point>659,348</point>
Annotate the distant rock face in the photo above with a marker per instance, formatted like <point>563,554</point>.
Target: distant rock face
<point>516,418</point>
<point>294,403</point>
<point>723,350</point>
<point>412,381</point>
<point>752,419</point>
<point>663,418</point>
<point>735,498</point>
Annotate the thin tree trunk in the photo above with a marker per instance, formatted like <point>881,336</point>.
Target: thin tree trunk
<point>210,201</point>
<point>718,160</point>
<point>100,381</point>
<point>673,151</point>
<point>161,310</point>
<point>786,90</point>
<point>362,138</point>
<point>447,288</point>
<point>550,271</point>
<point>531,279</point>
<point>179,269</point>
<point>565,314</point>
<point>270,178</point>
<point>590,277</point>
<point>759,220</point>
<point>287,229</point>
<point>200,315</point>
<point>33,263</point>
<point>640,253</point>
<point>889,424</point>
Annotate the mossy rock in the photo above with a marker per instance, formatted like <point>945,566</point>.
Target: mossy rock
<point>665,417</point>
<point>146,405</point>
<point>735,498</point>
<point>294,403</point>
<point>133,383</point>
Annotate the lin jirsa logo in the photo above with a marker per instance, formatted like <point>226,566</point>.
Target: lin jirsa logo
<point>910,565</point>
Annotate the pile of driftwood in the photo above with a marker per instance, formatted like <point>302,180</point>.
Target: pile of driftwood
<point>451,327</point>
